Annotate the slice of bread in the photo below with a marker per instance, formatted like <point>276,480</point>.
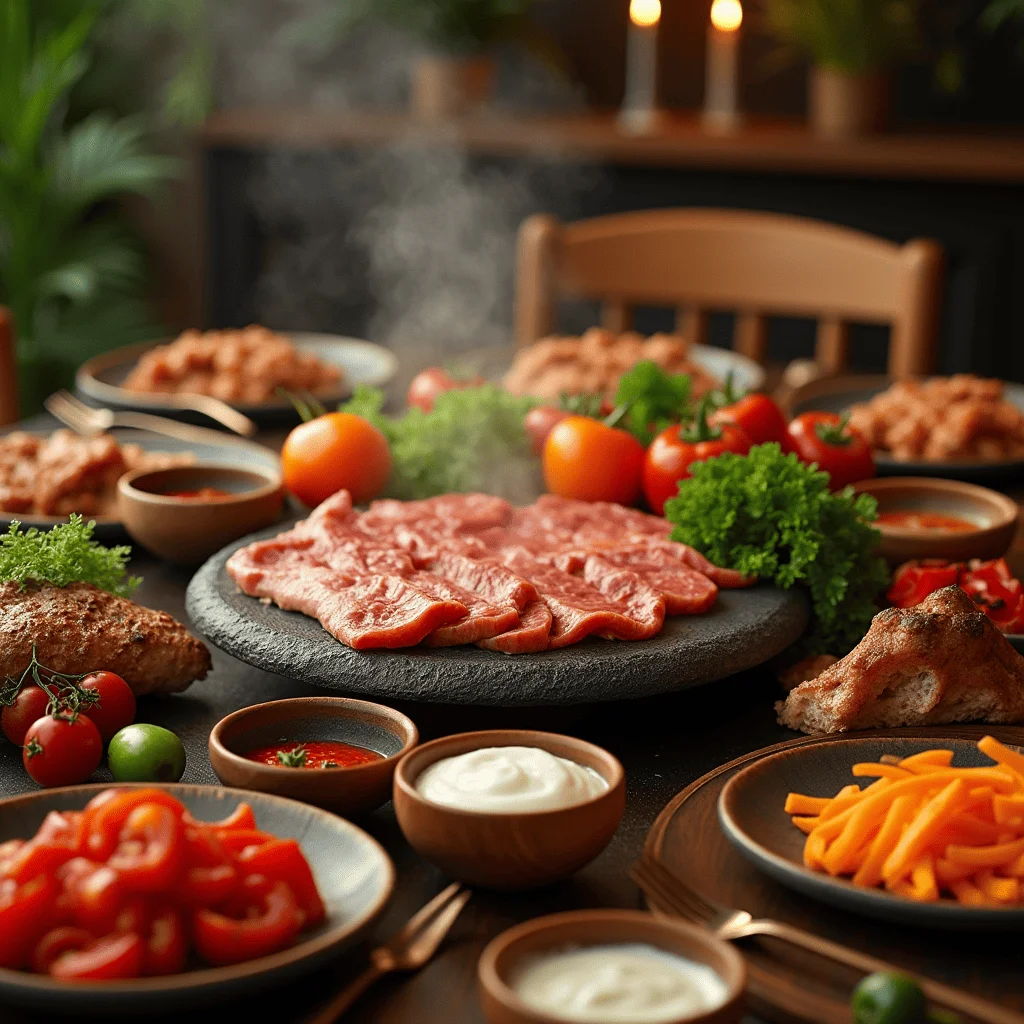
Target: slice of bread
<point>941,661</point>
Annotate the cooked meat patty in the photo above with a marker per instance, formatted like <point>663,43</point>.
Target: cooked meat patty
<point>938,662</point>
<point>80,628</point>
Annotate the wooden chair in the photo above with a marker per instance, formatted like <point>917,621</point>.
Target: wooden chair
<point>756,264</point>
<point>8,370</point>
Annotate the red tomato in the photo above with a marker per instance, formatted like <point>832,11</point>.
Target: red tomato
<point>235,840</point>
<point>282,861</point>
<point>94,895</point>
<point>115,707</point>
<point>55,943</point>
<point>676,448</point>
<point>434,381</point>
<point>110,958</point>
<point>166,944</point>
<point>26,912</point>
<point>209,877</point>
<point>58,840</point>
<point>29,706</point>
<point>269,924</point>
<point>240,818</point>
<point>149,853</point>
<point>59,752</point>
<point>539,422</point>
<point>839,449</point>
<point>107,813</point>
<point>590,461</point>
<point>334,452</point>
<point>758,417</point>
<point>912,582</point>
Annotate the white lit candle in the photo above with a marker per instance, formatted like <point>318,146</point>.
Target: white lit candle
<point>640,106</point>
<point>721,104</point>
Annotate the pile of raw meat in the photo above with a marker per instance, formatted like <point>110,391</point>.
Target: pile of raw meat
<point>473,569</point>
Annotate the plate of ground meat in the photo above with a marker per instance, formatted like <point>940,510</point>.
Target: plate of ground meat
<point>251,369</point>
<point>963,426</point>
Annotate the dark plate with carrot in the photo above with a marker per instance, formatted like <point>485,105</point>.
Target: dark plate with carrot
<point>321,883</point>
<point>935,859</point>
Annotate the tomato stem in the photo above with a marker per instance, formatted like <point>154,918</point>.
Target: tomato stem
<point>67,697</point>
<point>293,758</point>
<point>835,433</point>
<point>700,429</point>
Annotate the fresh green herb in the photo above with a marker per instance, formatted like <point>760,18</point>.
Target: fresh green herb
<point>66,554</point>
<point>649,400</point>
<point>586,404</point>
<point>472,440</point>
<point>768,515</point>
<point>67,697</point>
<point>295,758</point>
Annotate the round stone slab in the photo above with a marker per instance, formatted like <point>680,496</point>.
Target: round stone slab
<point>744,629</point>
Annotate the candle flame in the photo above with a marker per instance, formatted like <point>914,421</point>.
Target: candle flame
<point>726,15</point>
<point>646,13</point>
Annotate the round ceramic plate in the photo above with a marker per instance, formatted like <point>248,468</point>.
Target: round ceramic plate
<point>744,629</point>
<point>217,448</point>
<point>839,395</point>
<point>361,362</point>
<point>750,811</point>
<point>747,375</point>
<point>353,873</point>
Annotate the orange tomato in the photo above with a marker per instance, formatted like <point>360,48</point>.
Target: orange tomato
<point>588,460</point>
<point>335,451</point>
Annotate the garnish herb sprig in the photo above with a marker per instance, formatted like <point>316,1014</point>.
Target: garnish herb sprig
<point>294,758</point>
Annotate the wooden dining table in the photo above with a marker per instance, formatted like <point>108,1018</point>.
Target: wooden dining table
<point>664,743</point>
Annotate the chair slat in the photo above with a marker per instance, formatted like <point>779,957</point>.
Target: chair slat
<point>832,346</point>
<point>750,336</point>
<point>616,316</point>
<point>692,324</point>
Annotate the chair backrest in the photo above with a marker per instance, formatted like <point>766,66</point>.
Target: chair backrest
<point>8,370</point>
<point>756,264</point>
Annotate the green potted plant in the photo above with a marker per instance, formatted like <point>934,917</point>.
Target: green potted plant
<point>458,72</point>
<point>851,45</point>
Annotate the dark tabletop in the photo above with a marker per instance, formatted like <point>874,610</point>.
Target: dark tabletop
<point>664,744</point>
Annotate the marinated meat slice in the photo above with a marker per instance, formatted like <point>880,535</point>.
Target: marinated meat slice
<point>458,512</point>
<point>79,628</point>
<point>577,608</point>
<point>482,621</point>
<point>487,577</point>
<point>530,636</point>
<point>686,591</point>
<point>363,611</point>
<point>727,579</point>
<point>645,607</point>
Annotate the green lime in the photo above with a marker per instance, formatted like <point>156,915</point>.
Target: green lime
<point>146,753</point>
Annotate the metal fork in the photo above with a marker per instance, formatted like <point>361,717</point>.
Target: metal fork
<point>731,924</point>
<point>84,419</point>
<point>408,950</point>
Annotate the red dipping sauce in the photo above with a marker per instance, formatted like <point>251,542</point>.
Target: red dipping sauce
<point>925,522</point>
<point>313,754</point>
<point>203,494</point>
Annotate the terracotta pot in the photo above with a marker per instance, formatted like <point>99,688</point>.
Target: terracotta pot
<point>844,106</point>
<point>448,86</point>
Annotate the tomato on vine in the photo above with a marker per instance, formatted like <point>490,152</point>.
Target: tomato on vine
<point>62,751</point>
<point>29,705</point>
<point>114,707</point>
<point>839,449</point>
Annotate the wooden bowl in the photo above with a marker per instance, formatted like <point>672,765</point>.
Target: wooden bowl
<point>347,791</point>
<point>502,958</point>
<point>190,530</point>
<point>994,514</point>
<point>511,850</point>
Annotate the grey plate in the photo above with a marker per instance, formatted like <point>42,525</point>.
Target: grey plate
<point>842,398</point>
<point>744,629</point>
<point>219,449</point>
<point>353,873</point>
<point>362,362</point>
<point>751,815</point>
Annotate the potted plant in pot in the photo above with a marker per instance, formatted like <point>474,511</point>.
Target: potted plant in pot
<point>458,72</point>
<point>851,45</point>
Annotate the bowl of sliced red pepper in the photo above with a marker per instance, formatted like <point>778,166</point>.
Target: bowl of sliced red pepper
<point>137,897</point>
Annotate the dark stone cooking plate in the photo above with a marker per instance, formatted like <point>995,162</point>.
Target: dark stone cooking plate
<point>744,629</point>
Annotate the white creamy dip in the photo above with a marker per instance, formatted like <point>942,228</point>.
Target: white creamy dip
<point>623,984</point>
<point>501,779</point>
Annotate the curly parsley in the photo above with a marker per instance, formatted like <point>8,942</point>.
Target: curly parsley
<point>472,440</point>
<point>66,554</point>
<point>768,515</point>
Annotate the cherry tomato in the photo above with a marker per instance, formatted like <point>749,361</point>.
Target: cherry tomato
<point>94,895</point>
<point>676,448</point>
<point>332,452</point>
<point>912,582</point>
<point>61,752</point>
<point>590,461</point>
<point>208,877</point>
<point>55,943</point>
<point>166,943</point>
<point>110,958</point>
<point>240,818</point>
<point>434,381</point>
<point>150,848</point>
<point>282,861</point>
<point>26,912</point>
<point>116,705</point>
<point>29,706</point>
<point>268,924</point>
<point>539,422</point>
<point>106,816</point>
<point>758,417</point>
<point>840,450</point>
<point>59,839</point>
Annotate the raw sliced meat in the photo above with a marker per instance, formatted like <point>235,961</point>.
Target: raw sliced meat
<point>645,607</point>
<point>482,620</point>
<point>727,579</point>
<point>530,636</point>
<point>686,591</point>
<point>487,577</point>
<point>458,512</point>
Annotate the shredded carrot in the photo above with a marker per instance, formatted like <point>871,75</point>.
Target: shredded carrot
<point>986,856</point>
<point>806,825</point>
<point>1003,890</point>
<point>1003,755</point>
<point>797,803</point>
<point>880,771</point>
<point>927,759</point>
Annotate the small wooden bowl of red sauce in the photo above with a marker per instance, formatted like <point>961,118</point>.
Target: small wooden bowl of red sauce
<point>928,517</point>
<point>188,513</point>
<point>335,752</point>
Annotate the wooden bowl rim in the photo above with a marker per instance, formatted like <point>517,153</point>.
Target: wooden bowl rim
<point>273,484</point>
<point>611,769</point>
<point>491,979</point>
<point>268,771</point>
